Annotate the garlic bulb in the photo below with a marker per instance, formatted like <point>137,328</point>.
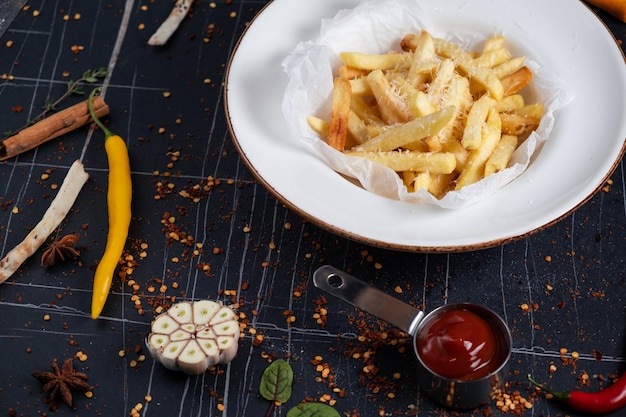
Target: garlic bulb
<point>193,336</point>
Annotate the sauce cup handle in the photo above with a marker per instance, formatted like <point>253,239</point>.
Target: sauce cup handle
<point>356,292</point>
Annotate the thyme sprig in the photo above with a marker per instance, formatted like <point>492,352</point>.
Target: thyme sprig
<point>74,87</point>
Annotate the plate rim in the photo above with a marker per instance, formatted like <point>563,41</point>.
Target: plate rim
<point>414,248</point>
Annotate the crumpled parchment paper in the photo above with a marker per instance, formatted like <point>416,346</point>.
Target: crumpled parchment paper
<point>377,27</point>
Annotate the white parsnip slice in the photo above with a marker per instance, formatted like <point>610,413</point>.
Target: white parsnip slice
<point>72,184</point>
<point>169,25</point>
<point>192,336</point>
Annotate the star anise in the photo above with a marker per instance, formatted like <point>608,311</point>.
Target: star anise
<point>62,382</point>
<point>60,250</point>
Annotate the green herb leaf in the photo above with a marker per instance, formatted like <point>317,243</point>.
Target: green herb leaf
<point>313,410</point>
<point>100,72</point>
<point>276,381</point>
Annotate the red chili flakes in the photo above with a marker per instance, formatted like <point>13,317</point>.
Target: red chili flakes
<point>321,313</point>
<point>597,355</point>
<point>77,49</point>
<point>511,403</point>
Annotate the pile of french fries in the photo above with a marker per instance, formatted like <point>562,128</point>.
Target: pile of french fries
<point>438,115</point>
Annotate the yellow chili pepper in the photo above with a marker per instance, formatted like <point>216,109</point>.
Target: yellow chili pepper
<point>118,203</point>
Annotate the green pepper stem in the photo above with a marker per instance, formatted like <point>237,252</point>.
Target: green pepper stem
<point>92,113</point>
<point>559,395</point>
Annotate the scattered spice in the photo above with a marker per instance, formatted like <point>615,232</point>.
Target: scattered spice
<point>61,382</point>
<point>60,251</point>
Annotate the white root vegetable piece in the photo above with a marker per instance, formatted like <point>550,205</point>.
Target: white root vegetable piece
<point>169,26</point>
<point>72,184</point>
<point>192,336</point>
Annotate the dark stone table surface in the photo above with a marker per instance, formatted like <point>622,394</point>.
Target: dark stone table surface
<point>561,290</point>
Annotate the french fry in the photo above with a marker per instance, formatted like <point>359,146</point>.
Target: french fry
<point>367,113</point>
<point>457,94</point>
<point>350,73</point>
<point>357,130</point>
<point>340,113</point>
<point>420,105</point>
<point>482,75</point>
<point>438,88</point>
<point>423,180</point>
<point>409,42</point>
<point>513,124</point>
<point>509,67</point>
<point>320,126</point>
<point>493,58</point>
<point>393,109</point>
<point>372,62</point>
<point>360,87</point>
<point>435,162</point>
<point>475,167</point>
<point>403,134</point>
<point>501,155</point>
<point>510,103</point>
<point>423,61</point>
<point>460,153</point>
<point>532,110</point>
<point>408,179</point>
<point>440,184</point>
<point>492,43</point>
<point>515,82</point>
<point>472,135</point>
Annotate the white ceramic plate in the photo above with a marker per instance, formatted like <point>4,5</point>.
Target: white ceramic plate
<point>586,145</point>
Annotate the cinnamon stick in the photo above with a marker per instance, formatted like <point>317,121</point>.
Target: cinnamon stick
<point>51,127</point>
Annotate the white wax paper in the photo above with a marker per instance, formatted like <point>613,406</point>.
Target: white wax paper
<point>377,26</point>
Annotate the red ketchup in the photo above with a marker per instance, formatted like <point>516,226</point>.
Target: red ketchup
<point>460,345</point>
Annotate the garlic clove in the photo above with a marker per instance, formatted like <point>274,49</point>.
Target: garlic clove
<point>204,310</point>
<point>180,334</point>
<point>181,312</point>
<point>230,327</point>
<point>206,333</point>
<point>192,359</point>
<point>164,324</point>
<point>227,347</point>
<point>210,349</point>
<point>156,342</point>
<point>170,353</point>
<point>224,314</point>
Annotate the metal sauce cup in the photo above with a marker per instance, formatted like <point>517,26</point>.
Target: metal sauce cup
<point>455,392</point>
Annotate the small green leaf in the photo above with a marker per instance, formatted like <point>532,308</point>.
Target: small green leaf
<point>100,72</point>
<point>276,381</point>
<point>313,410</point>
